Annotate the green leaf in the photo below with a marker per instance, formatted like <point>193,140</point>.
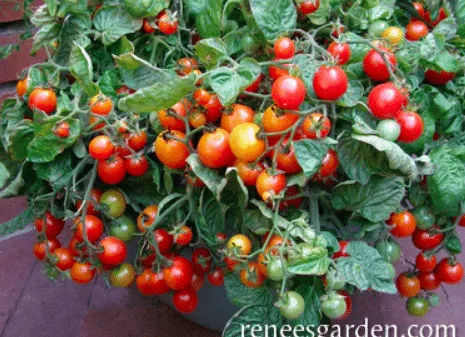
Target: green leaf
<point>255,221</point>
<point>447,61</point>
<point>115,22</point>
<point>161,95</point>
<point>453,244</point>
<point>274,17</point>
<point>4,175</point>
<point>145,8</point>
<point>315,262</point>
<point>320,16</point>
<point>207,16</point>
<point>57,173</point>
<point>109,82</point>
<point>20,140</point>
<point>307,67</point>
<point>74,28</point>
<point>211,218</point>
<point>14,187</point>
<point>241,295</point>
<point>82,70</point>
<point>17,223</point>
<point>310,154</point>
<point>353,94</point>
<point>253,320</point>
<point>447,184</point>
<point>231,189</point>
<point>71,7</point>
<point>210,177</point>
<point>311,295</point>
<point>45,145</point>
<point>7,49</point>
<point>361,251</point>
<point>374,201</point>
<point>209,51</point>
<point>228,82</point>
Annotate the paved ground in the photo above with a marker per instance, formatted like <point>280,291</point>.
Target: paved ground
<point>31,305</point>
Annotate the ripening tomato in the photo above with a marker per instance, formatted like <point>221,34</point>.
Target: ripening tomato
<point>248,172</point>
<point>197,280</point>
<point>416,30</point>
<point>147,217</point>
<point>149,26</point>
<point>136,166</point>
<point>53,226</point>
<point>340,51</point>
<point>216,277</point>
<point>408,285</point>
<point>100,105</point>
<point>214,150</point>
<point>255,85</point>
<point>374,65</point>
<point>245,143</point>
<point>239,114</point>
<point>329,165</point>
<point>393,34</point>
<point>288,92</point>
<point>411,126</point>
<point>385,100</point>
<point>64,258</point>
<point>427,239</point>
<point>21,87</point>
<point>402,224</point>
<point>184,236</point>
<point>113,252</point>
<point>213,109</point>
<point>101,148</point>
<point>186,65</point>
<point>164,240</point>
<point>202,96</point>
<point>167,24</point>
<point>43,99</point>
<point>309,6</point>
<point>286,159</point>
<point>316,126</point>
<point>202,259</point>
<point>112,170</point>
<point>197,119</point>
<point>425,264</point>
<point>82,272</point>
<point>269,185</point>
<point>179,274</point>
<point>342,250</point>
<point>429,281</point>
<point>95,195</point>
<point>137,140</point>
<point>449,272</point>
<point>185,300</point>
<point>62,130</point>
<point>348,301</point>
<point>172,119</point>
<point>284,48</point>
<point>151,283</point>
<point>276,72</point>
<point>40,250</point>
<point>122,276</point>
<point>330,83</point>
<point>251,276</point>
<point>438,78</point>
<point>94,228</point>
<point>277,120</point>
<point>240,244</point>
<point>171,152</point>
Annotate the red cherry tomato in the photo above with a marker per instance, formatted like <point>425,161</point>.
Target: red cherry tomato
<point>449,272</point>
<point>136,166</point>
<point>53,226</point>
<point>114,251</point>
<point>374,65</point>
<point>330,83</point>
<point>179,274</point>
<point>112,170</point>
<point>340,51</point>
<point>429,281</point>
<point>284,48</point>
<point>425,264</point>
<point>402,224</point>
<point>202,259</point>
<point>411,126</point>
<point>426,240</point>
<point>216,277</point>
<point>342,250</point>
<point>40,249</point>
<point>309,6</point>
<point>185,300</point>
<point>438,78</point>
<point>288,92</point>
<point>385,100</point>
<point>164,239</point>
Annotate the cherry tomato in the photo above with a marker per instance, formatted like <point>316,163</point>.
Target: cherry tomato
<point>82,272</point>
<point>276,72</point>
<point>77,247</point>
<point>426,240</point>
<point>329,165</point>
<point>62,130</point>
<point>330,83</point>
<point>21,87</point>
<point>40,250</point>
<point>43,99</point>
<point>408,285</point>
<point>438,78</point>
<point>240,244</point>
<point>240,114</point>
<point>123,228</point>
<point>101,148</point>
<point>402,224</point>
<point>374,65</point>
<point>150,283</point>
<point>394,35</point>
<point>173,118</point>
<point>290,200</point>
<point>93,226</point>
<point>122,275</point>
<point>284,48</point>
<point>171,152</point>
<point>179,274</point>
<point>164,239</point>
<point>388,129</point>
<point>286,159</point>
<point>112,170</point>
<point>197,119</point>
<point>114,251</point>
<point>184,237</point>
<point>214,150</point>
<point>53,226</point>
<point>411,126</point>
<point>96,123</point>
<point>377,27</point>
<point>244,142</point>
<point>213,110</point>
<point>148,26</point>
<point>416,30</point>
<point>425,264</point>
<point>340,51</point>
<point>114,202</point>
<point>137,141</point>
<point>348,301</point>
<point>385,100</point>
<point>449,272</point>
<point>417,306</point>
<point>185,300</point>
<point>276,120</point>
<point>419,8</point>
<point>125,90</point>
<point>136,166</point>
<point>389,250</point>
<point>275,269</point>
<point>202,259</point>
<point>202,96</point>
<point>64,258</point>
<point>334,306</point>
<point>309,6</point>
<point>429,281</point>
<point>248,172</point>
<point>255,85</point>
<point>251,276</point>
<point>167,24</point>
<point>147,217</point>
<point>269,185</point>
<point>216,277</point>
<point>100,105</point>
<point>197,280</point>
<point>342,250</point>
<point>288,92</point>
<point>316,126</point>
<point>186,65</point>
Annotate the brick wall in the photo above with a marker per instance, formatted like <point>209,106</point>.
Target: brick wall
<point>11,27</point>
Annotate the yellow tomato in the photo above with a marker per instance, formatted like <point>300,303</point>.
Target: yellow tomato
<point>393,34</point>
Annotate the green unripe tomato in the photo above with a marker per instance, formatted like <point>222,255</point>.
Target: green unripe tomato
<point>425,217</point>
<point>388,129</point>
<point>377,27</point>
<point>389,250</point>
<point>334,280</point>
<point>293,305</point>
<point>333,305</point>
<point>417,306</point>
<point>122,275</point>
<point>275,269</point>
<point>123,228</point>
<point>115,203</point>
<point>391,270</point>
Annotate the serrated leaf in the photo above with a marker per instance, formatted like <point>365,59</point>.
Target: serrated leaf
<point>274,17</point>
<point>210,177</point>
<point>115,22</point>
<point>316,262</point>
<point>209,51</point>
<point>210,218</point>
<point>74,28</point>
<point>207,16</point>
<point>57,173</point>
<point>310,154</point>
<point>82,69</point>
<point>231,189</point>
<point>241,295</point>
